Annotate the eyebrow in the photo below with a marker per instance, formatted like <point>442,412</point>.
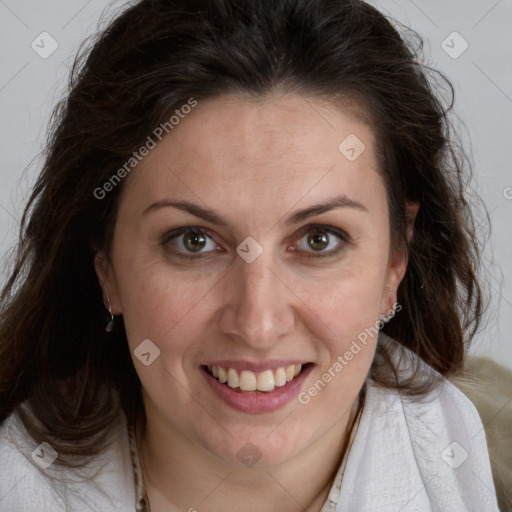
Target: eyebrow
<point>210,215</point>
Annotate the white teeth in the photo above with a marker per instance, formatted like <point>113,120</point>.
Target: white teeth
<point>247,381</point>
<point>232,378</point>
<point>280,377</point>
<point>266,380</point>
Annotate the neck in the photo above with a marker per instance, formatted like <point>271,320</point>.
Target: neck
<point>181,475</point>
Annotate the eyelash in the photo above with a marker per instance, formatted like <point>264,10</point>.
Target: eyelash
<point>344,240</point>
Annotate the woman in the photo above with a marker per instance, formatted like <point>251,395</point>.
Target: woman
<point>251,190</point>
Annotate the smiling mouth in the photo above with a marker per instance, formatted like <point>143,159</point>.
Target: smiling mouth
<point>246,381</point>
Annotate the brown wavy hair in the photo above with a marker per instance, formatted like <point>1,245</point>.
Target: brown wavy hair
<point>59,370</point>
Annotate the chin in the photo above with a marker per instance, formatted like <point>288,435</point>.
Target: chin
<point>256,446</point>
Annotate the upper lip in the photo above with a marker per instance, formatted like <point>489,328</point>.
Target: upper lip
<point>255,366</point>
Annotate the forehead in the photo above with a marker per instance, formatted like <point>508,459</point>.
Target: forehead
<point>279,148</point>
<point>278,128</point>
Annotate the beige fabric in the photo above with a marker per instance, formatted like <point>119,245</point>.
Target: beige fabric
<point>489,386</point>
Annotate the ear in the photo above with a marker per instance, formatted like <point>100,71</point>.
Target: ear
<point>107,281</point>
<point>398,260</point>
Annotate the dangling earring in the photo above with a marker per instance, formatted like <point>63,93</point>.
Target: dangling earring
<point>388,316</point>
<point>110,323</point>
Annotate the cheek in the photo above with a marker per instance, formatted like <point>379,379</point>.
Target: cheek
<point>349,336</point>
<point>343,311</point>
<point>347,301</point>
<point>166,307</point>
<point>348,330</point>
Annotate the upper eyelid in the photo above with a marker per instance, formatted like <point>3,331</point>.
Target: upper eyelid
<point>325,227</point>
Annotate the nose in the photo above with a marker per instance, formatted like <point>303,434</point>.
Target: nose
<point>258,306</point>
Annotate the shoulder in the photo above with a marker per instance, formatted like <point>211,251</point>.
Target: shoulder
<point>30,479</point>
<point>419,453</point>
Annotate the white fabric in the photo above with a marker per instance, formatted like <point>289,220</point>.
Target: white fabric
<point>105,486</point>
<point>402,460</point>
<point>396,463</point>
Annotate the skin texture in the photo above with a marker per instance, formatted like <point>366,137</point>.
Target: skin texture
<point>254,162</point>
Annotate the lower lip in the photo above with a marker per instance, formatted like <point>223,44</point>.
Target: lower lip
<point>256,403</point>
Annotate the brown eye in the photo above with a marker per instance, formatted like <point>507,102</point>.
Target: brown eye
<point>194,241</point>
<point>318,241</point>
<point>190,241</point>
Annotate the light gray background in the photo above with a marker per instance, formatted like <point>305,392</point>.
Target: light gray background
<point>482,75</point>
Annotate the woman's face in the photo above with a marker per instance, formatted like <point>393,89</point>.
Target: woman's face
<point>248,241</point>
